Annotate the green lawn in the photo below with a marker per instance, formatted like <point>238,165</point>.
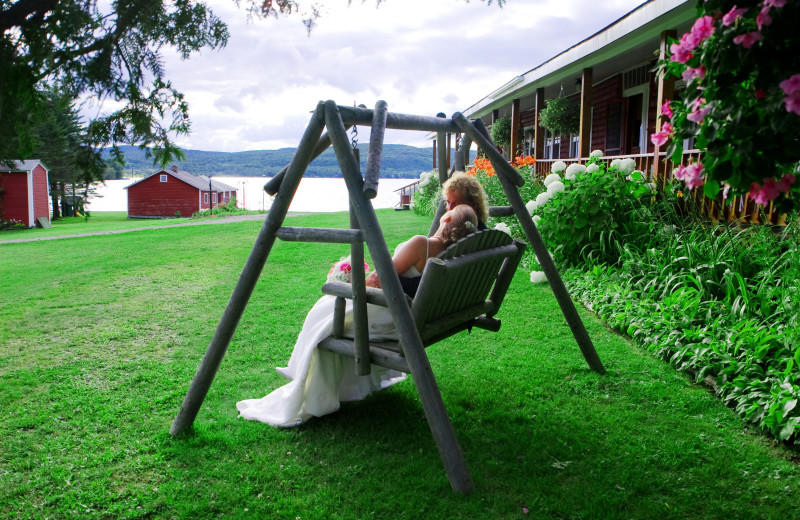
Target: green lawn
<point>100,337</point>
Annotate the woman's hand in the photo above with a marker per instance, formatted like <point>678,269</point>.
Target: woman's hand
<point>373,280</point>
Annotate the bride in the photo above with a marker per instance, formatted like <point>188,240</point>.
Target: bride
<point>320,380</point>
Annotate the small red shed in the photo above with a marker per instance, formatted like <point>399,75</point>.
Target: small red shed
<point>25,192</point>
<point>174,192</point>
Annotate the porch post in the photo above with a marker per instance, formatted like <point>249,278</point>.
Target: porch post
<point>538,132</point>
<point>666,91</point>
<point>434,153</point>
<point>515,124</point>
<point>584,142</point>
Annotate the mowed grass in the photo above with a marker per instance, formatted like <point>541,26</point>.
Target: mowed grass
<point>100,337</point>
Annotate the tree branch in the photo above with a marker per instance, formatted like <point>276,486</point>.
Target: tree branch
<point>17,14</point>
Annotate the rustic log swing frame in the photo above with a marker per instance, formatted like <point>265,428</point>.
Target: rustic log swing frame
<point>365,228</point>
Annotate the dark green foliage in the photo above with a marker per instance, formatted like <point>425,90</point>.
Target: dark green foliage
<point>718,303</point>
<point>749,133</point>
<point>595,213</point>
<point>112,52</point>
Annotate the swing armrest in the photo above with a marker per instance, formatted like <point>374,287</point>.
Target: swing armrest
<point>345,290</point>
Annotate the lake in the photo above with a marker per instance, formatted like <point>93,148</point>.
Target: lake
<point>313,194</point>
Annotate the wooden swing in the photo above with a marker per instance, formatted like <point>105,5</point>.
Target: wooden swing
<point>453,291</point>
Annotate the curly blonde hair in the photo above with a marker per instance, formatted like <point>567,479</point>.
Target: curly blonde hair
<point>471,192</point>
<point>463,221</point>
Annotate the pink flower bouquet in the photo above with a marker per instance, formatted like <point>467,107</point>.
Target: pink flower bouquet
<point>342,270</point>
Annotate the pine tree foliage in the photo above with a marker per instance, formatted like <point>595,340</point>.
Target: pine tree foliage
<point>111,51</point>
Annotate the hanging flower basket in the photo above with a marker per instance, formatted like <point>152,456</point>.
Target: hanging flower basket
<point>501,131</point>
<point>561,115</point>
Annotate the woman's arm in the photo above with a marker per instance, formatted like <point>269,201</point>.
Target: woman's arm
<point>411,253</point>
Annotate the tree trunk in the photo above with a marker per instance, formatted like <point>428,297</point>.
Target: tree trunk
<point>54,199</point>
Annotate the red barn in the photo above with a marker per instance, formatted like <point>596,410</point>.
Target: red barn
<point>174,192</point>
<point>24,192</point>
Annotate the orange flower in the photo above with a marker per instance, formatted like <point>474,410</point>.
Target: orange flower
<point>526,160</point>
<point>472,171</point>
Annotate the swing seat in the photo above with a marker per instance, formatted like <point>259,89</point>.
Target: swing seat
<point>463,287</point>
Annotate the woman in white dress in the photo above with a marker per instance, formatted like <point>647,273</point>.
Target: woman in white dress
<point>320,380</point>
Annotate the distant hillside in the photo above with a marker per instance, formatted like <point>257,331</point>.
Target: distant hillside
<point>397,161</point>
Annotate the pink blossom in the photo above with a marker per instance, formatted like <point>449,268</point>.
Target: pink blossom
<point>693,175</point>
<point>725,191</point>
<point>703,28</point>
<point>763,18</point>
<point>689,41</point>
<point>775,3</point>
<point>733,15</point>
<point>747,40</point>
<point>764,194</point>
<point>659,138</point>
<point>666,110</point>
<point>785,183</point>
<point>690,73</point>
<point>680,53</point>
<point>525,510</point>
<point>793,103</point>
<point>662,136</point>
<point>791,85</point>
<point>698,114</point>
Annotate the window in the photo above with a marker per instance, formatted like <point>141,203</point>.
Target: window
<point>214,197</point>
<point>163,178</point>
<point>552,146</point>
<point>573,145</point>
<point>205,198</point>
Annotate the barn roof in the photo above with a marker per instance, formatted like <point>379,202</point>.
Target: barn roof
<point>22,166</point>
<point>198,181</point>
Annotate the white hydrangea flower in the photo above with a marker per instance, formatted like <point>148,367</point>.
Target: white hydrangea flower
<point>553,177</point>
<point>652,186</point>
<point>573,170</point>
<point>538,277</point>
<point>532,206</point>
<point>615,163</point>
<point>558,166</point>
<point>502,226</point>
<point>536,219</point>
<point>596,153</point>
<point>627,165</point>
<point>542,198</point>
<point>555,187</point>
<point>636,175</point>
<point>592,168</point>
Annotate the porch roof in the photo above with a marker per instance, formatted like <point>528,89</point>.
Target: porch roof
<point>627,42</point>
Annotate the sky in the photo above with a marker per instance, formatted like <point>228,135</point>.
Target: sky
<point>420,56</point>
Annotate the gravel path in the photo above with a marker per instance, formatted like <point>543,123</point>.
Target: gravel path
<point>225,220</point>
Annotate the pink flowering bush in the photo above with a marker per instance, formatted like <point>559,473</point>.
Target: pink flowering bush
<point>741,65</point>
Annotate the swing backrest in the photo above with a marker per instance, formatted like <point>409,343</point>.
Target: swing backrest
<point>465,285</point>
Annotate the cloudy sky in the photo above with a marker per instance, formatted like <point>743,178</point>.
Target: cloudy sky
<point>420,56</point>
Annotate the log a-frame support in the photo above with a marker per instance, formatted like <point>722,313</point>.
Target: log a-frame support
<point>365,227</point>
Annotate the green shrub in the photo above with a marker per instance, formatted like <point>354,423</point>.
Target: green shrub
<point>561,115</point>
<point>428,194</point>
<point>590,212</point>
<point>501,131</point>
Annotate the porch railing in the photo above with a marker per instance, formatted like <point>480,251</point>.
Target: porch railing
<point>735,208</point>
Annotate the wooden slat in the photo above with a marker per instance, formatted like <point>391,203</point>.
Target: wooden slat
<point>378,353</point>
<point>330,235</point>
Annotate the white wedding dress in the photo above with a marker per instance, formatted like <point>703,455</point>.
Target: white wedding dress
<point>321,380</point>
